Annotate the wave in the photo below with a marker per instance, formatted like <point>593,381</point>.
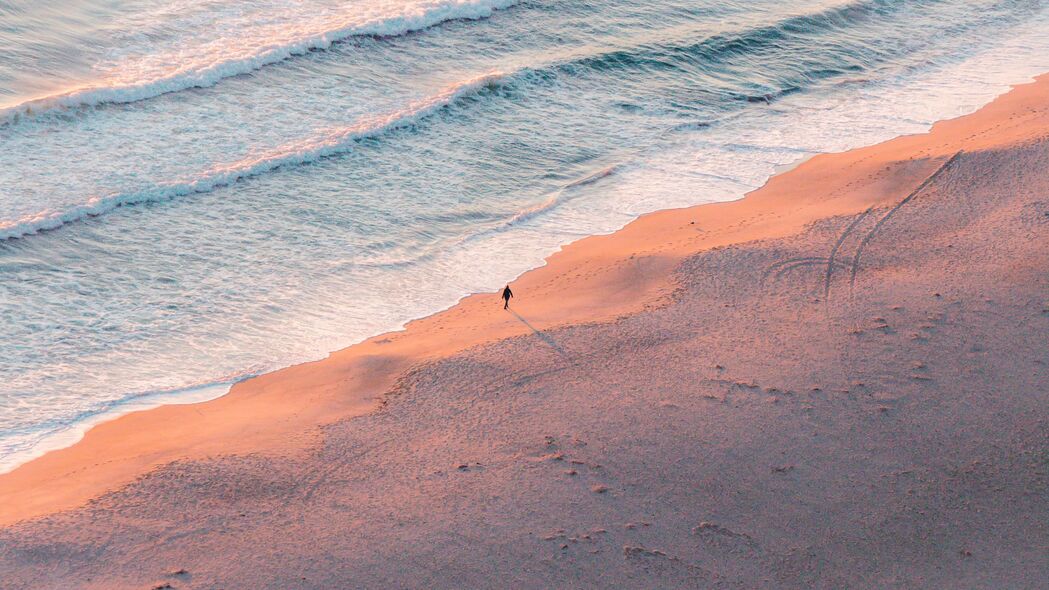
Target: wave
<point>430,14</point>
<point>797,33</point>
<point>300,152</point>
<point>501,223</point>
<point>556,199</point>
<point>41,437</point>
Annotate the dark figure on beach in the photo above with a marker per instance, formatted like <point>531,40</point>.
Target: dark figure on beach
<point>507,294</point>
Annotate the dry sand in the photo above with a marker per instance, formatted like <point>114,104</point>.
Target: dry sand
<point>840,381</point>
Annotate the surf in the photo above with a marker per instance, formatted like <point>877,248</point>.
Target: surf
<point>411,19</point>
<point>304,151</point>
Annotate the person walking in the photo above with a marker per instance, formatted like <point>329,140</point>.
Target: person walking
<point>507,294</point>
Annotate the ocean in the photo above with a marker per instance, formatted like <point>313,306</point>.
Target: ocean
<point>196,191</point>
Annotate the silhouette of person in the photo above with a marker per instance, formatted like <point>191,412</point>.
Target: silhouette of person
<point>507,294</point>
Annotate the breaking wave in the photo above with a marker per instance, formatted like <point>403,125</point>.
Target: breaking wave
<point>203,75</point>
<point>291,154</point>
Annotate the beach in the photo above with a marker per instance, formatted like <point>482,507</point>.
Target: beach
<point>840,380</point>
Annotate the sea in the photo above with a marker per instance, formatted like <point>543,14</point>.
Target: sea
<point>193,192</point>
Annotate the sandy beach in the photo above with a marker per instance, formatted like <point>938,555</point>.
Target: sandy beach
<point>839,381</point>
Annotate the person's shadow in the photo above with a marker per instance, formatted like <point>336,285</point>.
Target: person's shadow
<point>548,340</point>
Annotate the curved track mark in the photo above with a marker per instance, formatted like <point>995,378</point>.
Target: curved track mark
<point>804,263</point>
<point>779,265</point>
<point>837,245</point>
<point>907,199</point>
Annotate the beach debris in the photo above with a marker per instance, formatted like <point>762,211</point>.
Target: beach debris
<point>598,489</point>
<point>705,528</point>
<point>629,551</point>
<point>548,457</point>
<point>724,537</point>
<point>570,472</point>
<point>712,527</point>
<point>780,469</point>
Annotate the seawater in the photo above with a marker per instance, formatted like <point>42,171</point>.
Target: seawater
<point>196,191</point>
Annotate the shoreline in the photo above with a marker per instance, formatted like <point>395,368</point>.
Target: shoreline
<point>70,432</point>
<point>592,280</point>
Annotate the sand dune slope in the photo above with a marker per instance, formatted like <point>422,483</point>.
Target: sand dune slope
<point>779,423</point>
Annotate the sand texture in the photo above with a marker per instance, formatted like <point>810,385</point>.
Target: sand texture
<point>841,381</point>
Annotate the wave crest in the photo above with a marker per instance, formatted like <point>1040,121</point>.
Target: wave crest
<point>205,75</point>
<point>295,153</point>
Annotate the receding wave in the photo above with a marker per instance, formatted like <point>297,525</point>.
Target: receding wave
<point>558,198</point>
<point>553,201</point>
<point>43,436</point>
<point>209,74</point>
<point>300,152</point>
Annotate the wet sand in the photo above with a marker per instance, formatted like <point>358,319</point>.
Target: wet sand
<point>840,380</point>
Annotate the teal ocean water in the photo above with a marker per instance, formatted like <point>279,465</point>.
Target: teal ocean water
<point>195,191</point>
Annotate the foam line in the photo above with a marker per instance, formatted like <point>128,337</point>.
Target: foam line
<point>299,152</point>
<point>423,16</point>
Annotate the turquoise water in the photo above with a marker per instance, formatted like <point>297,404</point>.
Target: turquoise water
<point>196,191</point>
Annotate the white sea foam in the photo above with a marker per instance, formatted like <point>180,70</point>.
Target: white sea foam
<point>326,144</point>
<point>72,432</point>
<point>155,75</point>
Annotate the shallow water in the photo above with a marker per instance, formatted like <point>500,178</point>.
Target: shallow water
<point>199,190</point>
